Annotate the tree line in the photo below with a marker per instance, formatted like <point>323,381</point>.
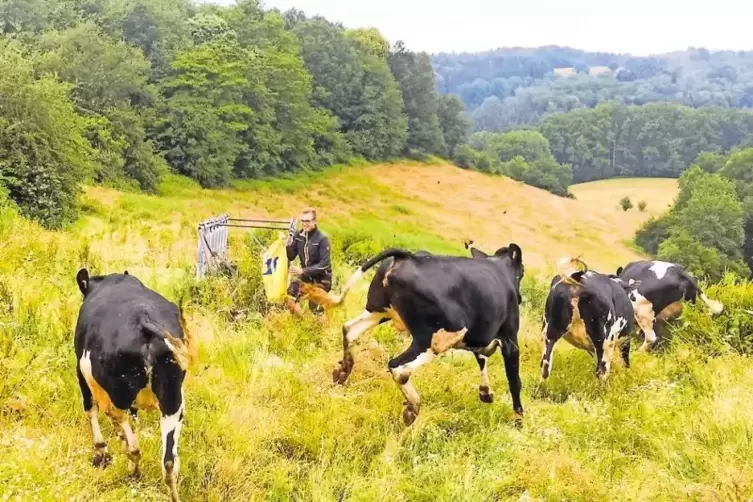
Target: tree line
<point>123,91</point>
<point>709,229</point>
<point>517,87</point>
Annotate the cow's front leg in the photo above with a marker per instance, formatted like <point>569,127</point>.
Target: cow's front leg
<point>547,352</point>
<point>402,367</point>
<point>645,318</point>
<point>351,331</point>
<point>129,437</point>
<point>485,393</point>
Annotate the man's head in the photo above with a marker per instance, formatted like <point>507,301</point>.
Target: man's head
<point>308,219</point>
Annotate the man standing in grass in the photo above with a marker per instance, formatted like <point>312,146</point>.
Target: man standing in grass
<point>312,248</point>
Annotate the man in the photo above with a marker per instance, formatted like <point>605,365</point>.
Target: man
<point>312,248</point>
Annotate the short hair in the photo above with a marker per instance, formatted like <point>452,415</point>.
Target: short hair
<point>309,210</point>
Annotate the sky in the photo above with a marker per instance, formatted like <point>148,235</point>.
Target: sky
<point>639,27</point>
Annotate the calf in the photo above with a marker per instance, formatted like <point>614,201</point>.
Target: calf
<point>444,302</point>
<point>659,289</point>
<point>132,350</point>
<point>591,311</point>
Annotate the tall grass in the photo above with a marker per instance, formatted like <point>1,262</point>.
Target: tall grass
<point>264,421</point>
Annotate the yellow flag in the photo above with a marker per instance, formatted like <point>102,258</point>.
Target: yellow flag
<point>274,270</point>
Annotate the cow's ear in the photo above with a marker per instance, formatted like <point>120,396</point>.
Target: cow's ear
<point>82,279</point>
<point>477,253</point>
<point>516,253</point>
<point>125,273</point>
<point>619,270</point>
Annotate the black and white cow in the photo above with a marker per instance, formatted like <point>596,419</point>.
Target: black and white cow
<point>444,302</point>
<point>132,349</point>
<point>591,311</point>
<point>659,290</point>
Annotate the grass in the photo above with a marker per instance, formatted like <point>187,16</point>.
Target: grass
<point>263,420</point>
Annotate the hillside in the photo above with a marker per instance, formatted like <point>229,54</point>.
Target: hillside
<point>534,82</point>
<point>263,420</point>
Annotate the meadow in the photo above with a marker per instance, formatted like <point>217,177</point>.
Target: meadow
<point>263,419</point>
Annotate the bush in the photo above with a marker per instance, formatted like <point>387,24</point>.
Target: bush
<point>43,154</point>
<point>463,156</point>
<point>642,206</point>
<point>625,203</point>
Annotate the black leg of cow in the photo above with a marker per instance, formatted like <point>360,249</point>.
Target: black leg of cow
<point>102,457</point>
<point>511,355</point>
<point>168,387</point>
<point>547,352</point>
<point>601,367</point>
<point>402,367</point>
<point>351,331</point>
<point>485,393</point>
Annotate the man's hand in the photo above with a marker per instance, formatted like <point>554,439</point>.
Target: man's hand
<point>295,270</point>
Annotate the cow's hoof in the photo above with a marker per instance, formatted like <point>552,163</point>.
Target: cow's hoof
<point>518,420</point>
<point>485,396</point>
<point>340,375</point>
<point>102,460</point>
<point>410,413</point>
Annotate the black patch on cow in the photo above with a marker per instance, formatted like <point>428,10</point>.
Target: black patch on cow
<point>169,444</point>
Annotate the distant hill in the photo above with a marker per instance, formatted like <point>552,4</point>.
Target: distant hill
<point>534,82</point>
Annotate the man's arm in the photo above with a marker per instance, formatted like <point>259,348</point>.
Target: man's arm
<point>291,247</point>
<point>324,262</point>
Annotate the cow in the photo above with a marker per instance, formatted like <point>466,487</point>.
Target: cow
<point>660,288</point>
<point>444,302</point>
<point>591,311</point>
<point>132,351</point>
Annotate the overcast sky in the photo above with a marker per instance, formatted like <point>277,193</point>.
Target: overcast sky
<point>636,26</point>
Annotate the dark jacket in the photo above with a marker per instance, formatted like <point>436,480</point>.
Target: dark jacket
<point>314,252</point>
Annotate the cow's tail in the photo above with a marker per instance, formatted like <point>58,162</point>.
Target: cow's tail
<point>183,349</point>
<point>329,300</point>
<point>716,307</point>
<point>571,270</point>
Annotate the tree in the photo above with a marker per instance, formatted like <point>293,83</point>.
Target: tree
<point>452,120</point>
<point>415,76</point>
<point>43,153</point>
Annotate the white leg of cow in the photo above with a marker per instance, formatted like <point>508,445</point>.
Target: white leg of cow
<point>170,426</point>
<point>485,393</point>
<point>351,331</point>
<point>102,458</point>
<point>610,342</point>
<point>402,367</point>
<point>644,317</point>
<point>132,444</point>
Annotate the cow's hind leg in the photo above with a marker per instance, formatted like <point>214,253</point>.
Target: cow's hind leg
<point>168,387</point>
<point>644,317</point>
<point>547,352</point>
<point>485,393</point>
<point>351,331</point>
<point>102,457</point>
<point>511,355</point>
<point>402,367</point>
<point>625,351</point>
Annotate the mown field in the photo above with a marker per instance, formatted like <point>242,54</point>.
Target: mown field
<point>263,419</point>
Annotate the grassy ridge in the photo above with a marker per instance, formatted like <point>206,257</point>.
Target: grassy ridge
<point>263,420</point>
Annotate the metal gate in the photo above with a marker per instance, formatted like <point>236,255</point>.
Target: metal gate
<point>213,233</point>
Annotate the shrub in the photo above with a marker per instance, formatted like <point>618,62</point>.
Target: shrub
<point>625,203</point>
<point>642,206</point>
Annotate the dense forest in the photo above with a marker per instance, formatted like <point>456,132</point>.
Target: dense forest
<point>121,91</point>
<point>513,87</point>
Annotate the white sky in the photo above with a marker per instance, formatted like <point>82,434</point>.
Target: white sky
<point>636,26</point>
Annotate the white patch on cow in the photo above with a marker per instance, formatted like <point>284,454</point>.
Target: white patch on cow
<point>660,268</point>
<point>172,423</point>
<point>85,364</point>
<point>132,444</point>
<point>407,369</point>
<point>610,342</point>
<point>576,333</point>
<point>715,306</point>
<point>361,324</point>
<point>644,317</point>
<point>403,374</point>
<point>546,363</point>
<point>631,282</point>
<point>484,373</point>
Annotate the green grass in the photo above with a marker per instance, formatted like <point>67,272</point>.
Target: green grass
<point>263,419</point>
